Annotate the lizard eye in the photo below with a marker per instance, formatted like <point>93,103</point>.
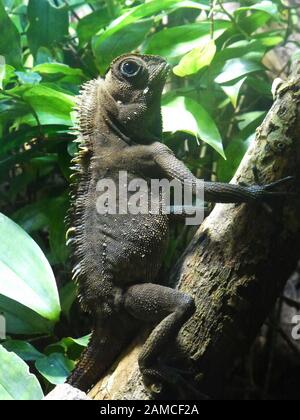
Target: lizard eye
<point>130,68</point>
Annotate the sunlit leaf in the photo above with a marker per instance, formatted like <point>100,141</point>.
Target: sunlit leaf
<point>232,91</point>
<point>57,68</point>
<point>237,68</point>
<point>50,105</point>
<point>26,275</point>
<point>125,40</point>
<point>178,40</point>
<point>22,320</point>
<point>185,114</point>
<point>196,59</point>
<point>55,368</point>
<point>23,349</point>
<point>142,11</point>
<point>269,7</point>
<point>16,383</point>
<point>28,77</point>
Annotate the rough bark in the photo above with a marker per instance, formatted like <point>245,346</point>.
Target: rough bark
<point>236,265</point>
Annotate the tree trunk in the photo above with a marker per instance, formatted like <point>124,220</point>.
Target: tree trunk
<point>236,265</point>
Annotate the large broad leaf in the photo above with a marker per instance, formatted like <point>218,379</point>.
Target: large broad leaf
<point>20,319</point>
<point>68,346</point>
<point>239,145</point>
<point>143,11</point>
<point>185,114</point>
<point>28,77</point>
<point>179,40</point>
<point>264,6</point>
<point>16,383</point>
<point>48,24</point>
<point>196,59</point>
<point>25,274</point>
<point>91,24</point>
<point>23,349</point>
<point>125,40</point>
<point>50,105</point>
<point>232,91</point>
<point>10,40</point>
<point>55,368</point>
<point>236,68</point>
<point>58,71</point>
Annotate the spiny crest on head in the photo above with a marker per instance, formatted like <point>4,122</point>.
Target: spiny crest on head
<point>85,112</point>
<point>85,108</point>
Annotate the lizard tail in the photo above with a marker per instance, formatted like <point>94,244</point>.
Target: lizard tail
<point>104,347</point>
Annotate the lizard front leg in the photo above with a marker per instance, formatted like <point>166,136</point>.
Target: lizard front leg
<point>169,308</point>
<point>216,192</point>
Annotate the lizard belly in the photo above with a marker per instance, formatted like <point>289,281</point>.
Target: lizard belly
<point>131,247</point>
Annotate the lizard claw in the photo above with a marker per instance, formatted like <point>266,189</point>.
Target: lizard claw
<point>282,181</point>
<point>267,193</point>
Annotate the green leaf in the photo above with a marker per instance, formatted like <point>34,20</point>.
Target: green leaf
<point>2,71</point>
<point>142,11</point>
<point>185,114</point>
<point>264,6</point>
<point>250,119</point>
<point>57,233</point>
<point>50,105</point>
<point>48,24</point>
<point>22,320</point>
<point>57,69</point>
<point>83,341</point>
<point>68,294</point>
<point>239,145</point>
<point>196,59</point>
<point>34,216</point>
<point>232,91</point>
<point>70,347</point>
<point>26,275</point>
<point>235,153</point>
<point>127,39</point>
<point>250,23</point>
<point>23,349</point>
<point>236,68</point>
<point>28,77</point>
<point>178,40</point>
<point>10,40</point>
<point>55,368</point>
<point>91,24</point>
<point>16,383</point>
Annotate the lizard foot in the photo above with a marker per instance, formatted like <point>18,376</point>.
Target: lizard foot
<point>170,383</point>
<point>267,193</point>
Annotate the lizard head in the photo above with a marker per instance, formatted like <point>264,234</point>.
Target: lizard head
<point>135,84</point>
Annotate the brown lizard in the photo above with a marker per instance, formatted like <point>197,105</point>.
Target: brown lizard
<point>117,257</point>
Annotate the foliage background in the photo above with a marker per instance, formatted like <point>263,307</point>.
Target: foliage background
<point>224,57</point>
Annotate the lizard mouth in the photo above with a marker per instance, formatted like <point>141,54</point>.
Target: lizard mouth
<point>165,69</point>
<point>162,72</point>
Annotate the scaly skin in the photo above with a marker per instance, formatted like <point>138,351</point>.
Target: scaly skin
<point>117,257</point>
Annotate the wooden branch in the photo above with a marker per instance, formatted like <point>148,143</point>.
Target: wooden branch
<point>66,392</point>
<point>236,265</point>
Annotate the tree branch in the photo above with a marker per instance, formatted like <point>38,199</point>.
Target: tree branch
<point>235,267</point>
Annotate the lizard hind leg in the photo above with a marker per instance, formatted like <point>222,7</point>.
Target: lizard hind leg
<point>170,309</point>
